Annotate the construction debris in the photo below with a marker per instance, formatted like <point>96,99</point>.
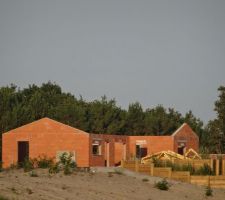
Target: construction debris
<point>170,155</point>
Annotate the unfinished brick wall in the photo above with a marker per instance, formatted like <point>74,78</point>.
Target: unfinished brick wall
<point>152,143</point>
<point>114,150</point>
<point>187,136</point>
<point>46,137</point>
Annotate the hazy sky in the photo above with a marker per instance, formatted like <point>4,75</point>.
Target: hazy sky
<point>155,52</point>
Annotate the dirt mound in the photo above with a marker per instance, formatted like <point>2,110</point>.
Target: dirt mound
<point>100,183</point>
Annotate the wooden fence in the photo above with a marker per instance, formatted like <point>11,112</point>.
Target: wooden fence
<point>217,181</point>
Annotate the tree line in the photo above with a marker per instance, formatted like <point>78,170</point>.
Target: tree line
<point>19,107</point>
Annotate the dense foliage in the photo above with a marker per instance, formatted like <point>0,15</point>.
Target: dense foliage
<point>19,107</point>
<point>214,140</point>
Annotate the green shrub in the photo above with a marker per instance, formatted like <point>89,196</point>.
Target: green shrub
<point>162,185</point>
<point>28,165</point>
<point>15,166</point>
<point>54,168</point>
<point>44,162</point>
<point>157,162</point>
<point>208,191</point>
<point>67,163</point>
<point>67,170</point>
<point>204,170</point>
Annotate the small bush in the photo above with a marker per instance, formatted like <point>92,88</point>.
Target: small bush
<point>162,185</point>
<point>208,191</point>
<point>44,162</point>
<point>204,170</point>
<point>54,168</point>
<point>14,166</point>
<point>33,174</point>
<point>157,162</point>
<point>67,170</point>
<point>189,168</point>
<point>67,163</point>
<point>28,165</point>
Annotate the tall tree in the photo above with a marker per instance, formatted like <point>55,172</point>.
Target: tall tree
<point>135,119</point>
<point>216,128</point>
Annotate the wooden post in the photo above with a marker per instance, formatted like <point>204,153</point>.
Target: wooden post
<point>136,165</point>
<point>211,164</point>
<point>151,169</point>
<point>208,181</point>
<point>172,160</point>
<point>189,177</point>
<point>122,163</point>
<point>170,173</point>
<point>217,167</point>
<point>223,167</point>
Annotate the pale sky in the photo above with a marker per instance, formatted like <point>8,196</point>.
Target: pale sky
<point>155,52</point>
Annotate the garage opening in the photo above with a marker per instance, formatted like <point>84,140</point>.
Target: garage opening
<point>23,151</point>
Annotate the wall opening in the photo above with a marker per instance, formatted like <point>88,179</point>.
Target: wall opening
<point>141,151</point>
<point>23,151</point>
<point>96,149</point>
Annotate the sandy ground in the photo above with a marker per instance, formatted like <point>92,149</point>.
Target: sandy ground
<point>15,184</point>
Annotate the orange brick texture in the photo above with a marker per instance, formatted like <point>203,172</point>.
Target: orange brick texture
<point>152,143</point>
<point>117,149</point>
<point>187,136</point>
<point>47,137</point>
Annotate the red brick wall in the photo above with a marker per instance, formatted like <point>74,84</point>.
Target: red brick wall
<point>46,137</point>
<point>114,152</point>
<point>153,144</point>
<point>186,134</point>
<point>118,152</point>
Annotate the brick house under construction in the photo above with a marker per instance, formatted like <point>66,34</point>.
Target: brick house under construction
<point>50,138</point>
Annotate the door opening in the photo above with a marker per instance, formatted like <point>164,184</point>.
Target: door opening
<point>23,151</point>
<point>181,149</point>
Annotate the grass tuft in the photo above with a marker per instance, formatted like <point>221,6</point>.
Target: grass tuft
<point>208,191</point>
<point>162,185</point>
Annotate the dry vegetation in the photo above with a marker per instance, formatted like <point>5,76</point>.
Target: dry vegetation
<point>101,183</point>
